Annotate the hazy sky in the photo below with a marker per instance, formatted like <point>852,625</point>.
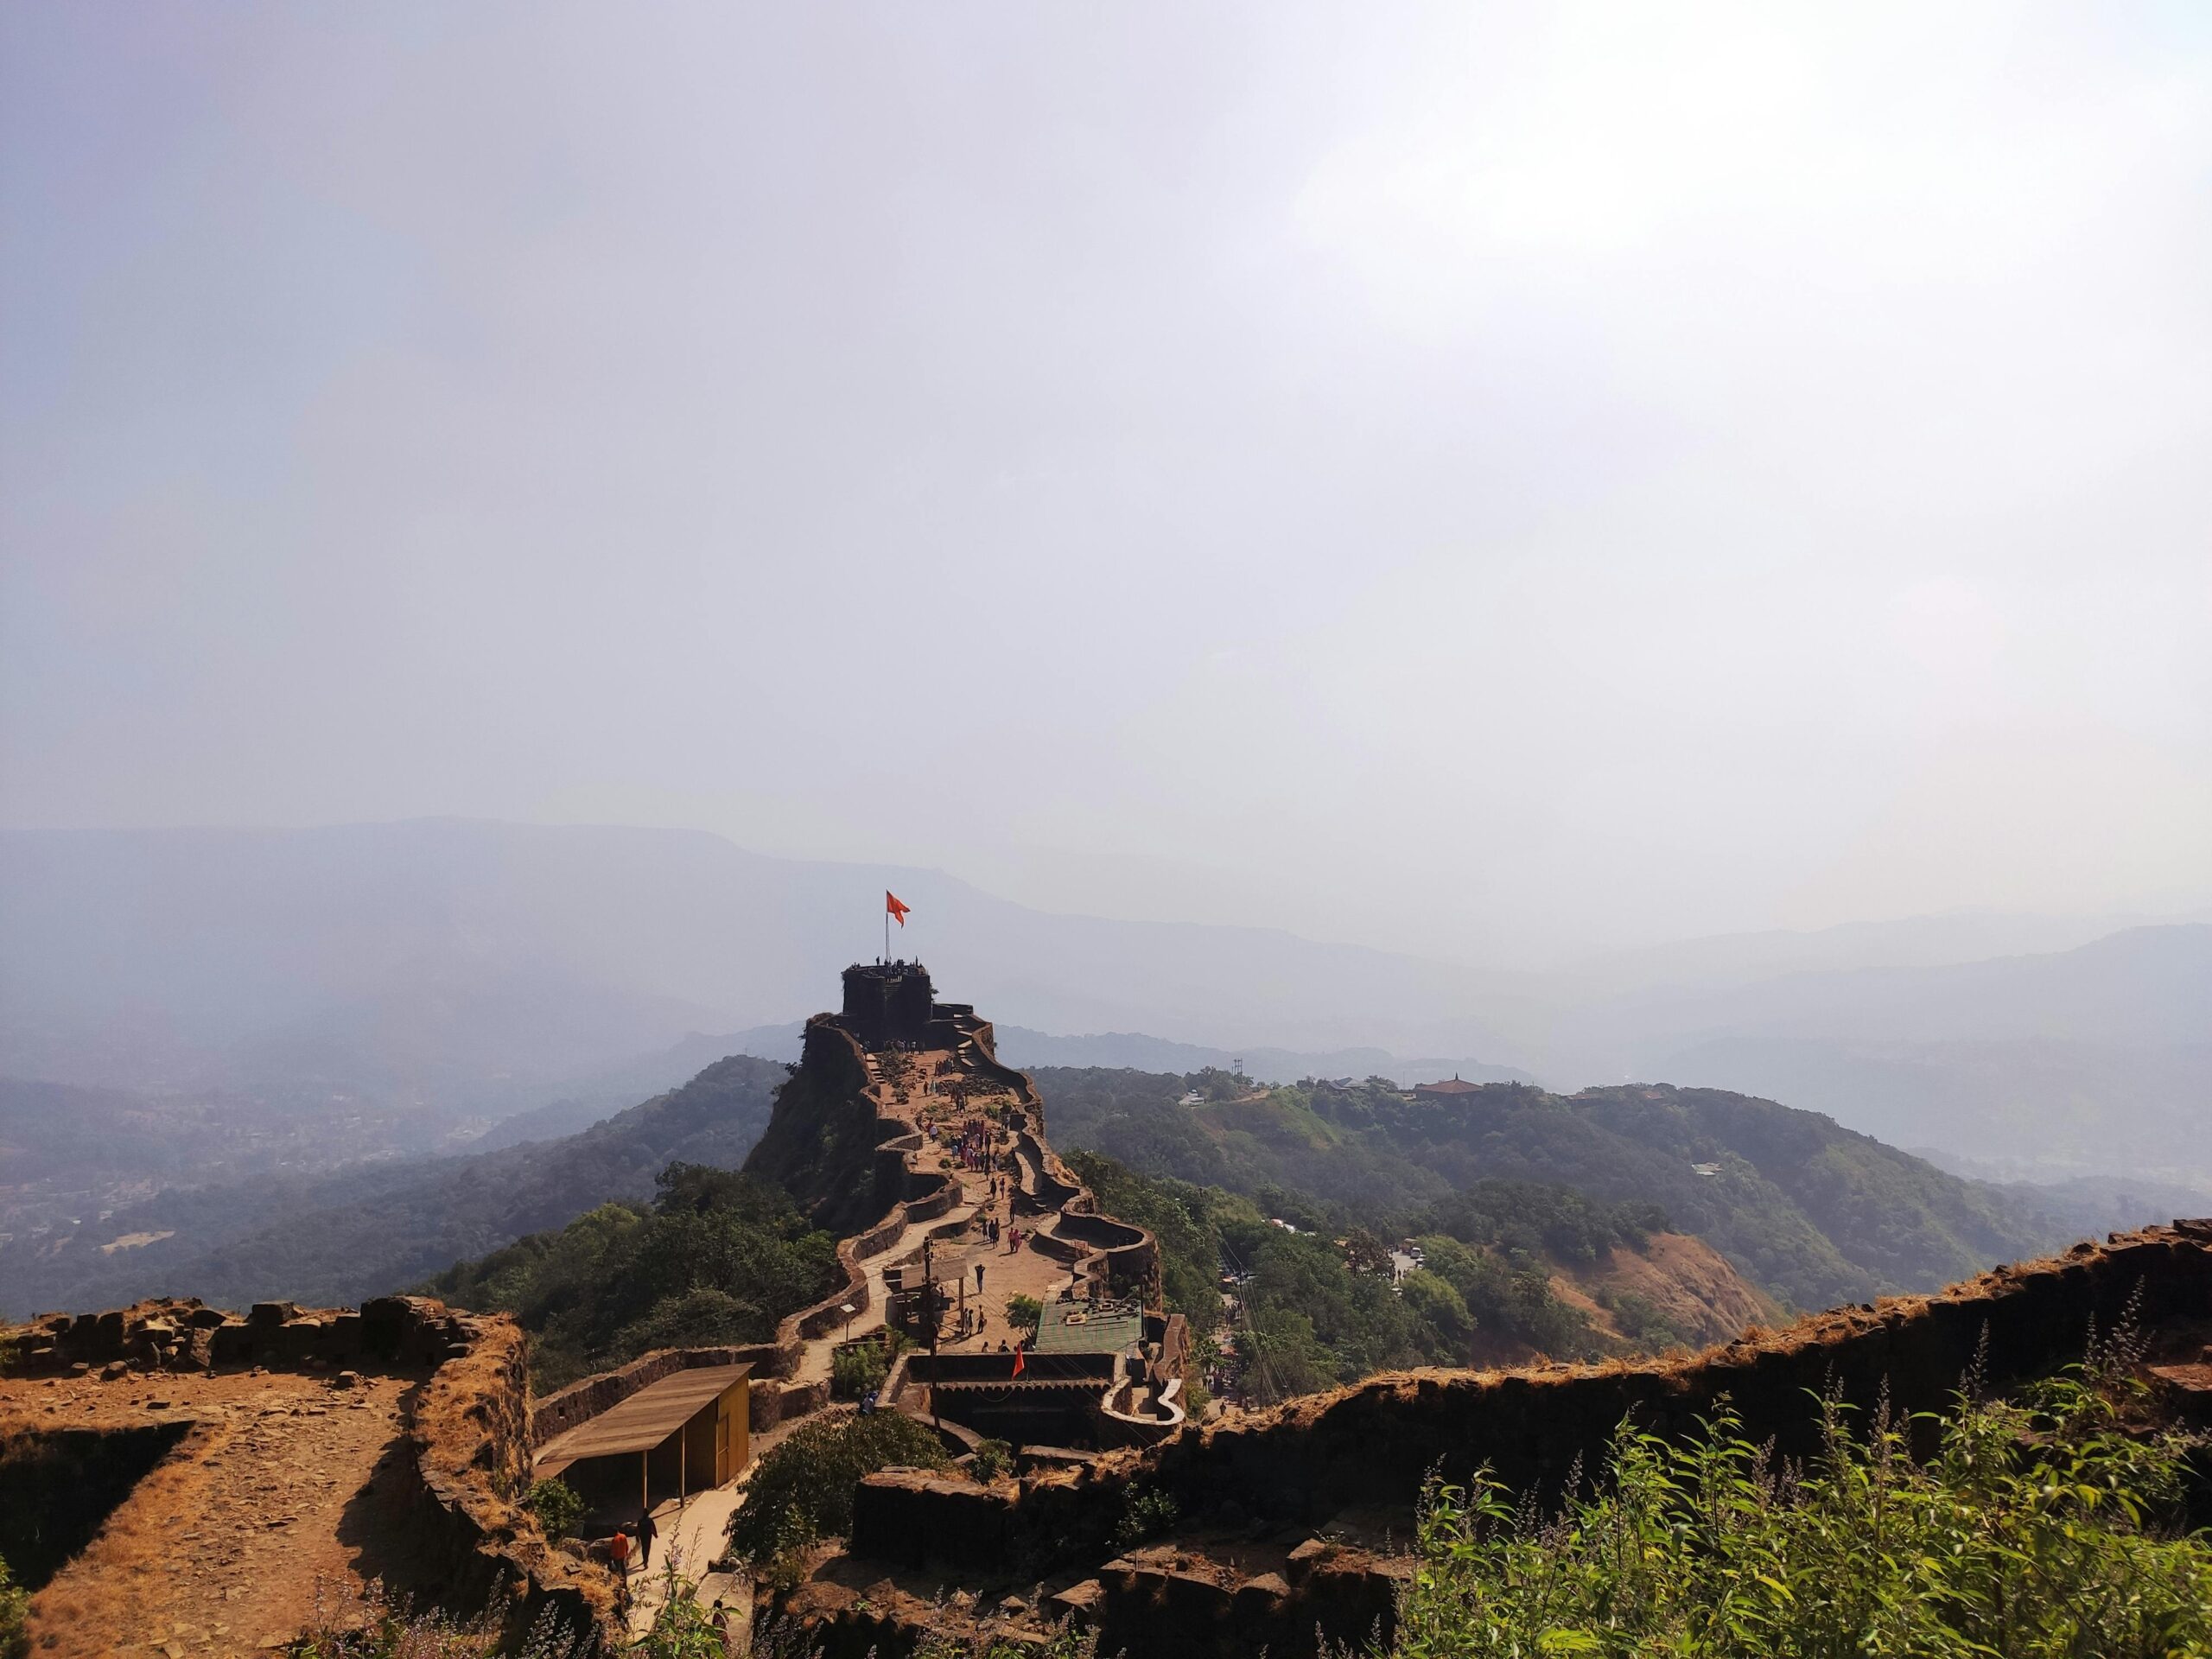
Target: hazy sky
<point>1488,480</point>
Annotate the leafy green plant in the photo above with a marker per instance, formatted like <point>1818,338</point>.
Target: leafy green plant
<point>681,1628</point>
<point>556,1506</point>
<point>15,1604</point>
<point>1023,1312</point>
<point>801,1490</point>
<point>1147,1511</point>
<point>857,1370</point>
<point>2037,1531</point>
<point>991,1459</point>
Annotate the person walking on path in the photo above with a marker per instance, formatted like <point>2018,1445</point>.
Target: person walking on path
<point>646,1533</point>
<point>618,1551</point>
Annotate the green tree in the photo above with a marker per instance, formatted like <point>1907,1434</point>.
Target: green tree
<point>718,1259</point>
<point>801,1490</point>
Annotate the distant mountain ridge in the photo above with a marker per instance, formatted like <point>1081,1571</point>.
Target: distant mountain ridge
<point>1805,1209</point>
<point>466,972</point>
<point>336,1239</point>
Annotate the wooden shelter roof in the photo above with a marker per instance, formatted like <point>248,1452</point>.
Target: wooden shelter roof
<point>642,1421</point>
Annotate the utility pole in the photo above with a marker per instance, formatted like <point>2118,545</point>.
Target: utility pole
<point>929,1308</point>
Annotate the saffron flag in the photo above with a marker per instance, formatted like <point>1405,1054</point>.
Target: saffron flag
<point>1018,1359</point>
<point>894,908</point>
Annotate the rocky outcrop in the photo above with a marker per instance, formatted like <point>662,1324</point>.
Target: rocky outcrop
<point>165,1334</point>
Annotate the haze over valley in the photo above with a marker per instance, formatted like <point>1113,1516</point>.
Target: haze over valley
<point>249,1016</point>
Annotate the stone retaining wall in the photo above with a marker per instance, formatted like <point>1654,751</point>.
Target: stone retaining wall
<point>467,1443</point>
<point>1368,1447</point>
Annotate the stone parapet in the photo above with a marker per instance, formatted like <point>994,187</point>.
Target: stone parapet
<point>1369,1447</point>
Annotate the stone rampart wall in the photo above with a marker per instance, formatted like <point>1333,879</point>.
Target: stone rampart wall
<point>165,1334</point>
<point>467,1442</point>
<point>1370,1446</point>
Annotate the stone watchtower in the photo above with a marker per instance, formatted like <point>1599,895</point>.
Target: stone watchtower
<point>887,1002</point>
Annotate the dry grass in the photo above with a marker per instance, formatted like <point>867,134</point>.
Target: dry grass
<point>216,1549</point>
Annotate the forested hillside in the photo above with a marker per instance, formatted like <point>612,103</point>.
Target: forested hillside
<point>718,1257</point>
<point>340,1238</point>
<point>1507,1271</point>
<point>1813,1213</point>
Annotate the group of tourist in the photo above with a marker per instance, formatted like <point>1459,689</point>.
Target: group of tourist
<point>630,1550</point>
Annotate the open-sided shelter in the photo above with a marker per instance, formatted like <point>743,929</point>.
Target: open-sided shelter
<point>682,1433</point>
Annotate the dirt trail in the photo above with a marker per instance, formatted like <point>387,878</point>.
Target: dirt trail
<point>219,1550</point>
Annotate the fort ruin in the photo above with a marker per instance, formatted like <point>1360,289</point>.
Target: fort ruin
<point>151,1443</point>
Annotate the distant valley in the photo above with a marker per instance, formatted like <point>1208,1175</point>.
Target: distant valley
<point>1810,1213</point>
<point>448,974</point>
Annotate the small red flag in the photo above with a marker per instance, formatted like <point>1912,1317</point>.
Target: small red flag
<point>894,908</point>
<point>1018,1359</point>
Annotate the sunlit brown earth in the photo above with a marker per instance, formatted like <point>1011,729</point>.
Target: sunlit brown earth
<point>219,1550</point>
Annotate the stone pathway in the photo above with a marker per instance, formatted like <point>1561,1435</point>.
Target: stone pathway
<point>698,1528</point>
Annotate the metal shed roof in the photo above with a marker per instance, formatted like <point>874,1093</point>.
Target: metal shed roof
<point>645,1419</point>
<point>1088,1328</point>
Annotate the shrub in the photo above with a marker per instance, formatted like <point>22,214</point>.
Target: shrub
<point>682,1629</point>
<point>14,1638</point>
<point>2036,1531</point>
<point>992,1458</point>
<point>802,1490</point>
<point>1023,1312</point>
<point>1063,1643</point>
<point>556,1506</point>
<point>857,1370</point>
<point>1146,1512</point>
